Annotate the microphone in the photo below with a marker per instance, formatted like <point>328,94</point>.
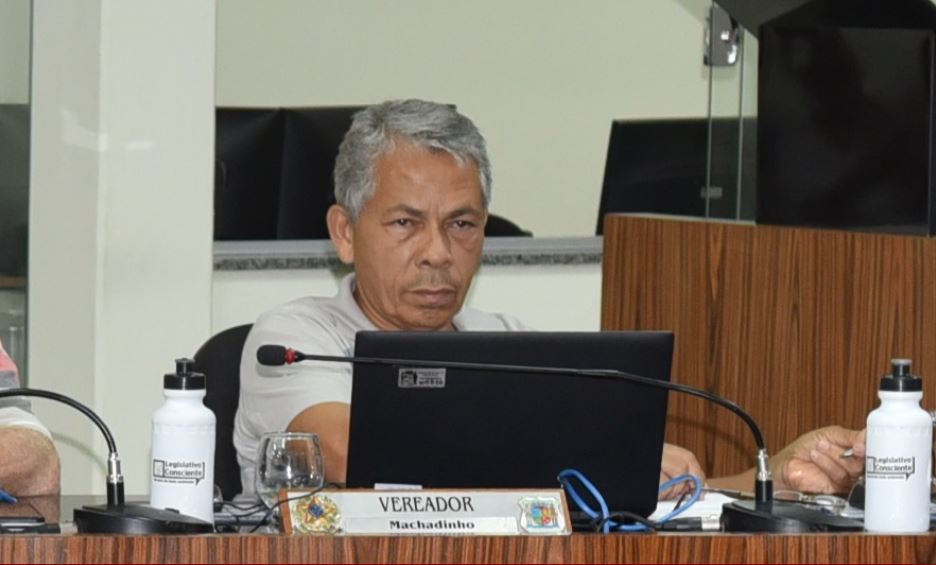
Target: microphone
<point>117,516</point>
<point>277,355</point>
<point>763,514</point>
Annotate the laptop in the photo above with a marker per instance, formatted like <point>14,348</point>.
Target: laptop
<point>458,428</point>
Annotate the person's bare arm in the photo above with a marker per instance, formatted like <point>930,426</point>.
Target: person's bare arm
<point>330,420</point>
<point>29,464</point>
<point>812,463</point>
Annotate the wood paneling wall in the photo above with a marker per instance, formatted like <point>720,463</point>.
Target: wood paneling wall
<point>796,325</point>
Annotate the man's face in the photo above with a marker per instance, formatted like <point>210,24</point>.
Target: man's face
<point>417,242</point>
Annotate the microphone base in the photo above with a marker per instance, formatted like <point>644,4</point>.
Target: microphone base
<point>137,519</point>
<point>780,516</point>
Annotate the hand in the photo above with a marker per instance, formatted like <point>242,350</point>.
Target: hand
<point>678,461</point>
<point>813,462</point>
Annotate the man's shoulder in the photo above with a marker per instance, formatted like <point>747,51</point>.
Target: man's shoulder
<point>302,317</point>
<point>308,324</point>
<point>312,313</point>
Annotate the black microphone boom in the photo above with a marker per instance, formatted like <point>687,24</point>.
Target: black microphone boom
<point>276,355</point>
<point>761,514</point>
<point>117,516</point>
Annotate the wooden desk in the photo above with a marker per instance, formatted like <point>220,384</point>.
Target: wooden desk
<point>579,548</point>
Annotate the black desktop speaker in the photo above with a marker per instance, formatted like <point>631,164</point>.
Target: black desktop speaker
<point>273,170</point>
<point>845,132</point>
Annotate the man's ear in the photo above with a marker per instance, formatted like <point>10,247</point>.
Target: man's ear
<point>341,231</point>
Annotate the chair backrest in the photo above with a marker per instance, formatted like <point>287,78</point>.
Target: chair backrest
<point>219,359</point>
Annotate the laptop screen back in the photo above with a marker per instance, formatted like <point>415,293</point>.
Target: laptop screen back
<point>492,429</point>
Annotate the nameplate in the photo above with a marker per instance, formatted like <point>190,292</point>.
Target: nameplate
<point>426,512</point>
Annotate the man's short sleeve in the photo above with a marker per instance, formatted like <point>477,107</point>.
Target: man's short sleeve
<point>272,396</point>
<point>14,416</point>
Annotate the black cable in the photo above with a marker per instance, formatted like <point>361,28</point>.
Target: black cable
<point>619,517</point>
<point>114,484</point>
<point>269,512</point>
<point>266,518</point>
<point>108,437</point>
<point>682,499</point>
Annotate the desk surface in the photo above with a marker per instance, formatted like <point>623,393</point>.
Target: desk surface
<point>578,548</point>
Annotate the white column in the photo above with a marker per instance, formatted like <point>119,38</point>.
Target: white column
<point>120,216</point>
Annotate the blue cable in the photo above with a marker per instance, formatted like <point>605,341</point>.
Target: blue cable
<point>7,497</point>
<point>696,494</point>
<point>604,513</point>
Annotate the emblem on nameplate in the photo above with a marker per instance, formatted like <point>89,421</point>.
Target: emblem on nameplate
<point>316,514</point>
<point>540,514</point>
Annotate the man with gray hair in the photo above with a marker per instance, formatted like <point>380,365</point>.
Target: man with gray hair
<point>413,183</point>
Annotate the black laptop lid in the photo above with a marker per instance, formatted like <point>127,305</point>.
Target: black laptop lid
<point>509,430</point>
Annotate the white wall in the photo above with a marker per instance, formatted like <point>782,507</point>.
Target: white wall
<point>542,78</point>
<point>120,217</point>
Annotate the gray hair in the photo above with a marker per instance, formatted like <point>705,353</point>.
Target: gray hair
<point>425,124</point>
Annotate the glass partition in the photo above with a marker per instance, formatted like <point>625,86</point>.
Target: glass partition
<point>731,163</point>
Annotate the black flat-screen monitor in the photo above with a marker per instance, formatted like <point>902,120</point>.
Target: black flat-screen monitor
<point>248,166</point>
<point>847,119</point>
<point>273,170</point>
<point>492,429</point>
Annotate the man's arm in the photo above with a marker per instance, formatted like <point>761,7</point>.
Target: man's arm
<point>29,464</point>
<point>331,421</point>
<point>812,463</point>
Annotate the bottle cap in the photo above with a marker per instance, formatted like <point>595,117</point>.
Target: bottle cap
<point>900,379</point>
<point>184,378</point>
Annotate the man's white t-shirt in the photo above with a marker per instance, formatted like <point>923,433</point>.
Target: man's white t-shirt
<point>270,397</point>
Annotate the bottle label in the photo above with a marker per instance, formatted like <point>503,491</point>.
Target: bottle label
<point>178,472</point>
<point>901,468</point>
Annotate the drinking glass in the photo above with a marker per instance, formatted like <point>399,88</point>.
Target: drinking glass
<point>290,460</point>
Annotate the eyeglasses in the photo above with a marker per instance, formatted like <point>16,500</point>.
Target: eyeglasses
<point>831,503</point>
<point>847,506</point>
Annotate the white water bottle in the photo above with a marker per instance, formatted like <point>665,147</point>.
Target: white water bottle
<point>897,464</point>
<point>182,469</point>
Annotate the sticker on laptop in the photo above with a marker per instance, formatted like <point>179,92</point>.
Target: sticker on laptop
<point>410,377</point>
